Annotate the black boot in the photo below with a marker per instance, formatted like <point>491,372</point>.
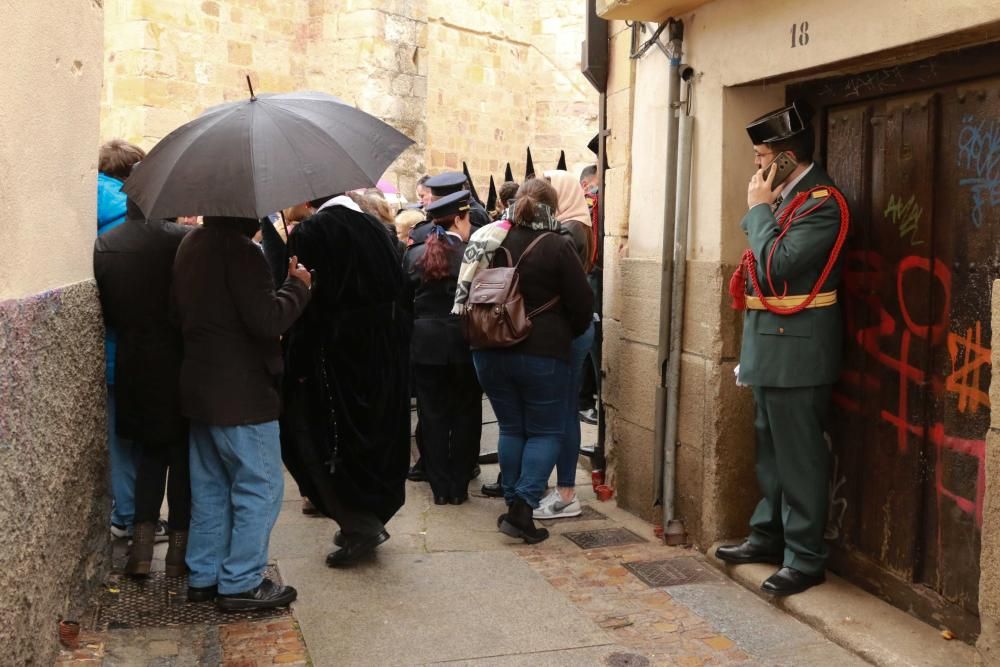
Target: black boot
<point>494,490</point>
<point>520,524</point>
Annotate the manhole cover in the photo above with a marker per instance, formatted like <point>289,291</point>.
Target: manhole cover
<point>626,660</point>
<point>161,601</point>
<point>605,537</point>
<point>673,572</point>
<point>588,514</point>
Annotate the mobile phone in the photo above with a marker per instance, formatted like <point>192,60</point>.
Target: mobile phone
<point>784,164</point>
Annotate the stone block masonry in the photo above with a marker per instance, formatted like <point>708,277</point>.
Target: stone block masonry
<point>475,83</point>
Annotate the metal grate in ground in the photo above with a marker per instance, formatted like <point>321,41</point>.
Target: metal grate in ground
<point>673,572</point>
<point>604,537</point>
<point>158,601</point>
<point>588,514</point>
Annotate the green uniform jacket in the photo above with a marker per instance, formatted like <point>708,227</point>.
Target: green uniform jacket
<point>804,349</point>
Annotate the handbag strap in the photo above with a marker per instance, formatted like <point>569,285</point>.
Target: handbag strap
<point>545,306</point>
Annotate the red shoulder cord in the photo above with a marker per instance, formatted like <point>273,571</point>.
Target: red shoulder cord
<point>789,216</point>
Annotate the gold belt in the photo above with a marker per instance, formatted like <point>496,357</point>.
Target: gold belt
<point>822,300</point>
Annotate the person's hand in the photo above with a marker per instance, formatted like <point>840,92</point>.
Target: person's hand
<point>759,191</point>
<point>296,270</point>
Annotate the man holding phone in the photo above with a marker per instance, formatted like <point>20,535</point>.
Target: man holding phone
<point>787,283</point>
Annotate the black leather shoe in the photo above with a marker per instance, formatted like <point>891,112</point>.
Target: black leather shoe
<point>339,539</point>
<point>788,581</point>
<point>494,490</point>
<point>458,500</point>
<point>266,596</point>
<point>475,473</point>
<point>202,593</point>
<point>355,548</point>
<point>440,500</point>
<point>489,457</point>
<point>416,473</point>
<point>747,553</point>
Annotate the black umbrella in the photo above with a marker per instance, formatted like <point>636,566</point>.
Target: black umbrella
<point>248,159</point>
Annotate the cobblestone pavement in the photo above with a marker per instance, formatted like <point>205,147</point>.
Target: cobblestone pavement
<point>449,589</point>
<point>260,643</point>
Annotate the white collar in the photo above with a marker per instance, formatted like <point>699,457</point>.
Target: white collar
<point>455,234</point>
<point>791,185</point>
<point>341,200</point>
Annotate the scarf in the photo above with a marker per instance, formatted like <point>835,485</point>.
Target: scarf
<point>572,203</point>
<point>484,243</point>
<point>478,255</point>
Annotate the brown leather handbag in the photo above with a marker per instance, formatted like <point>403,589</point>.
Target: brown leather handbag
<point>494,314</point>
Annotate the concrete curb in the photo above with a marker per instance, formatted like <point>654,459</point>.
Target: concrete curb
<point>861,623</point>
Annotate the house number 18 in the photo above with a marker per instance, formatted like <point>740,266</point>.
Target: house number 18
<point>800,34</point>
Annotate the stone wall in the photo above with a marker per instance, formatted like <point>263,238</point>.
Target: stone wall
<point>53,465</point>
<point>716,486</point>
<point>53,498</point>
<point>989,557</point>
<point>478,82</point>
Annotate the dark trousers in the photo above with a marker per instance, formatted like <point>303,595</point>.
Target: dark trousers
<point>793,470</point>
<point>450,408</point>
<point>151,476</point>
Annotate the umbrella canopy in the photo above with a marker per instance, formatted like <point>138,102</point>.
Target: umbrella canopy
<point>386,187</point>
<point>250,158</point>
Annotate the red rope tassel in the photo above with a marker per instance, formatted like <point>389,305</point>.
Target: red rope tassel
<point>791,214</point>
<point>737,287</point>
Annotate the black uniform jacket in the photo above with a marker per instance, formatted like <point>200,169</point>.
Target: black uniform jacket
<point>437,334</point>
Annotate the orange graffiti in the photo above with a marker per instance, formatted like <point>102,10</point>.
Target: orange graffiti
<point>964,379</point>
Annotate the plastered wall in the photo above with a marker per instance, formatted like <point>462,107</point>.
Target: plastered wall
<point>48,151</point>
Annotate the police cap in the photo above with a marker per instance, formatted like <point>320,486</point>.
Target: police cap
<point>456,203</point>
<point>446,183</point>
<point>781,124</point>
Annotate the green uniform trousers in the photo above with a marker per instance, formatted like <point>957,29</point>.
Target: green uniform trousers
<point>793,470</point>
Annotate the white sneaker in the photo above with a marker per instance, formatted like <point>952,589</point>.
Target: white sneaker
<point>118,532</point>
<point>162,533</point>
<point>558,509</point>
<point>550,498</point>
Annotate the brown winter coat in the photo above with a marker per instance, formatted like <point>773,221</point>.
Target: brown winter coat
<point>232,320</point>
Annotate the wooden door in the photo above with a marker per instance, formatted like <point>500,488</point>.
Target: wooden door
<point>918,156</point>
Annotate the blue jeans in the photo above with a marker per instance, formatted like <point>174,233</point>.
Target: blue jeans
<point>122,453</point>
<point>237,484</point>
<point>569,453</point>
<point>528,394</point>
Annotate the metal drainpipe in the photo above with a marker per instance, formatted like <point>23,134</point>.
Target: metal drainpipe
<point>676,37</point>
<point>673,530</point>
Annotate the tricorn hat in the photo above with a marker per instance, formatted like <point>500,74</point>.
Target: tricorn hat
<point>780,125</point>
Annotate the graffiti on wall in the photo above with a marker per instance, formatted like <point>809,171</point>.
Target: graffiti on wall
<point>970,363</point>
<point>979,152</point>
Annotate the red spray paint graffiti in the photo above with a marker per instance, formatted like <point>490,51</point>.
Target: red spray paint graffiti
<point>967,353</point>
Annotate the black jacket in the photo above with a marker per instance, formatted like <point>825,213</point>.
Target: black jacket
<point>232,319</point>
<point>133,266</point>
<point>437,334</point>
<point>553,268</point>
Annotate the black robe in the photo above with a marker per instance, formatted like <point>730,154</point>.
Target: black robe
<point>347,384</point>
